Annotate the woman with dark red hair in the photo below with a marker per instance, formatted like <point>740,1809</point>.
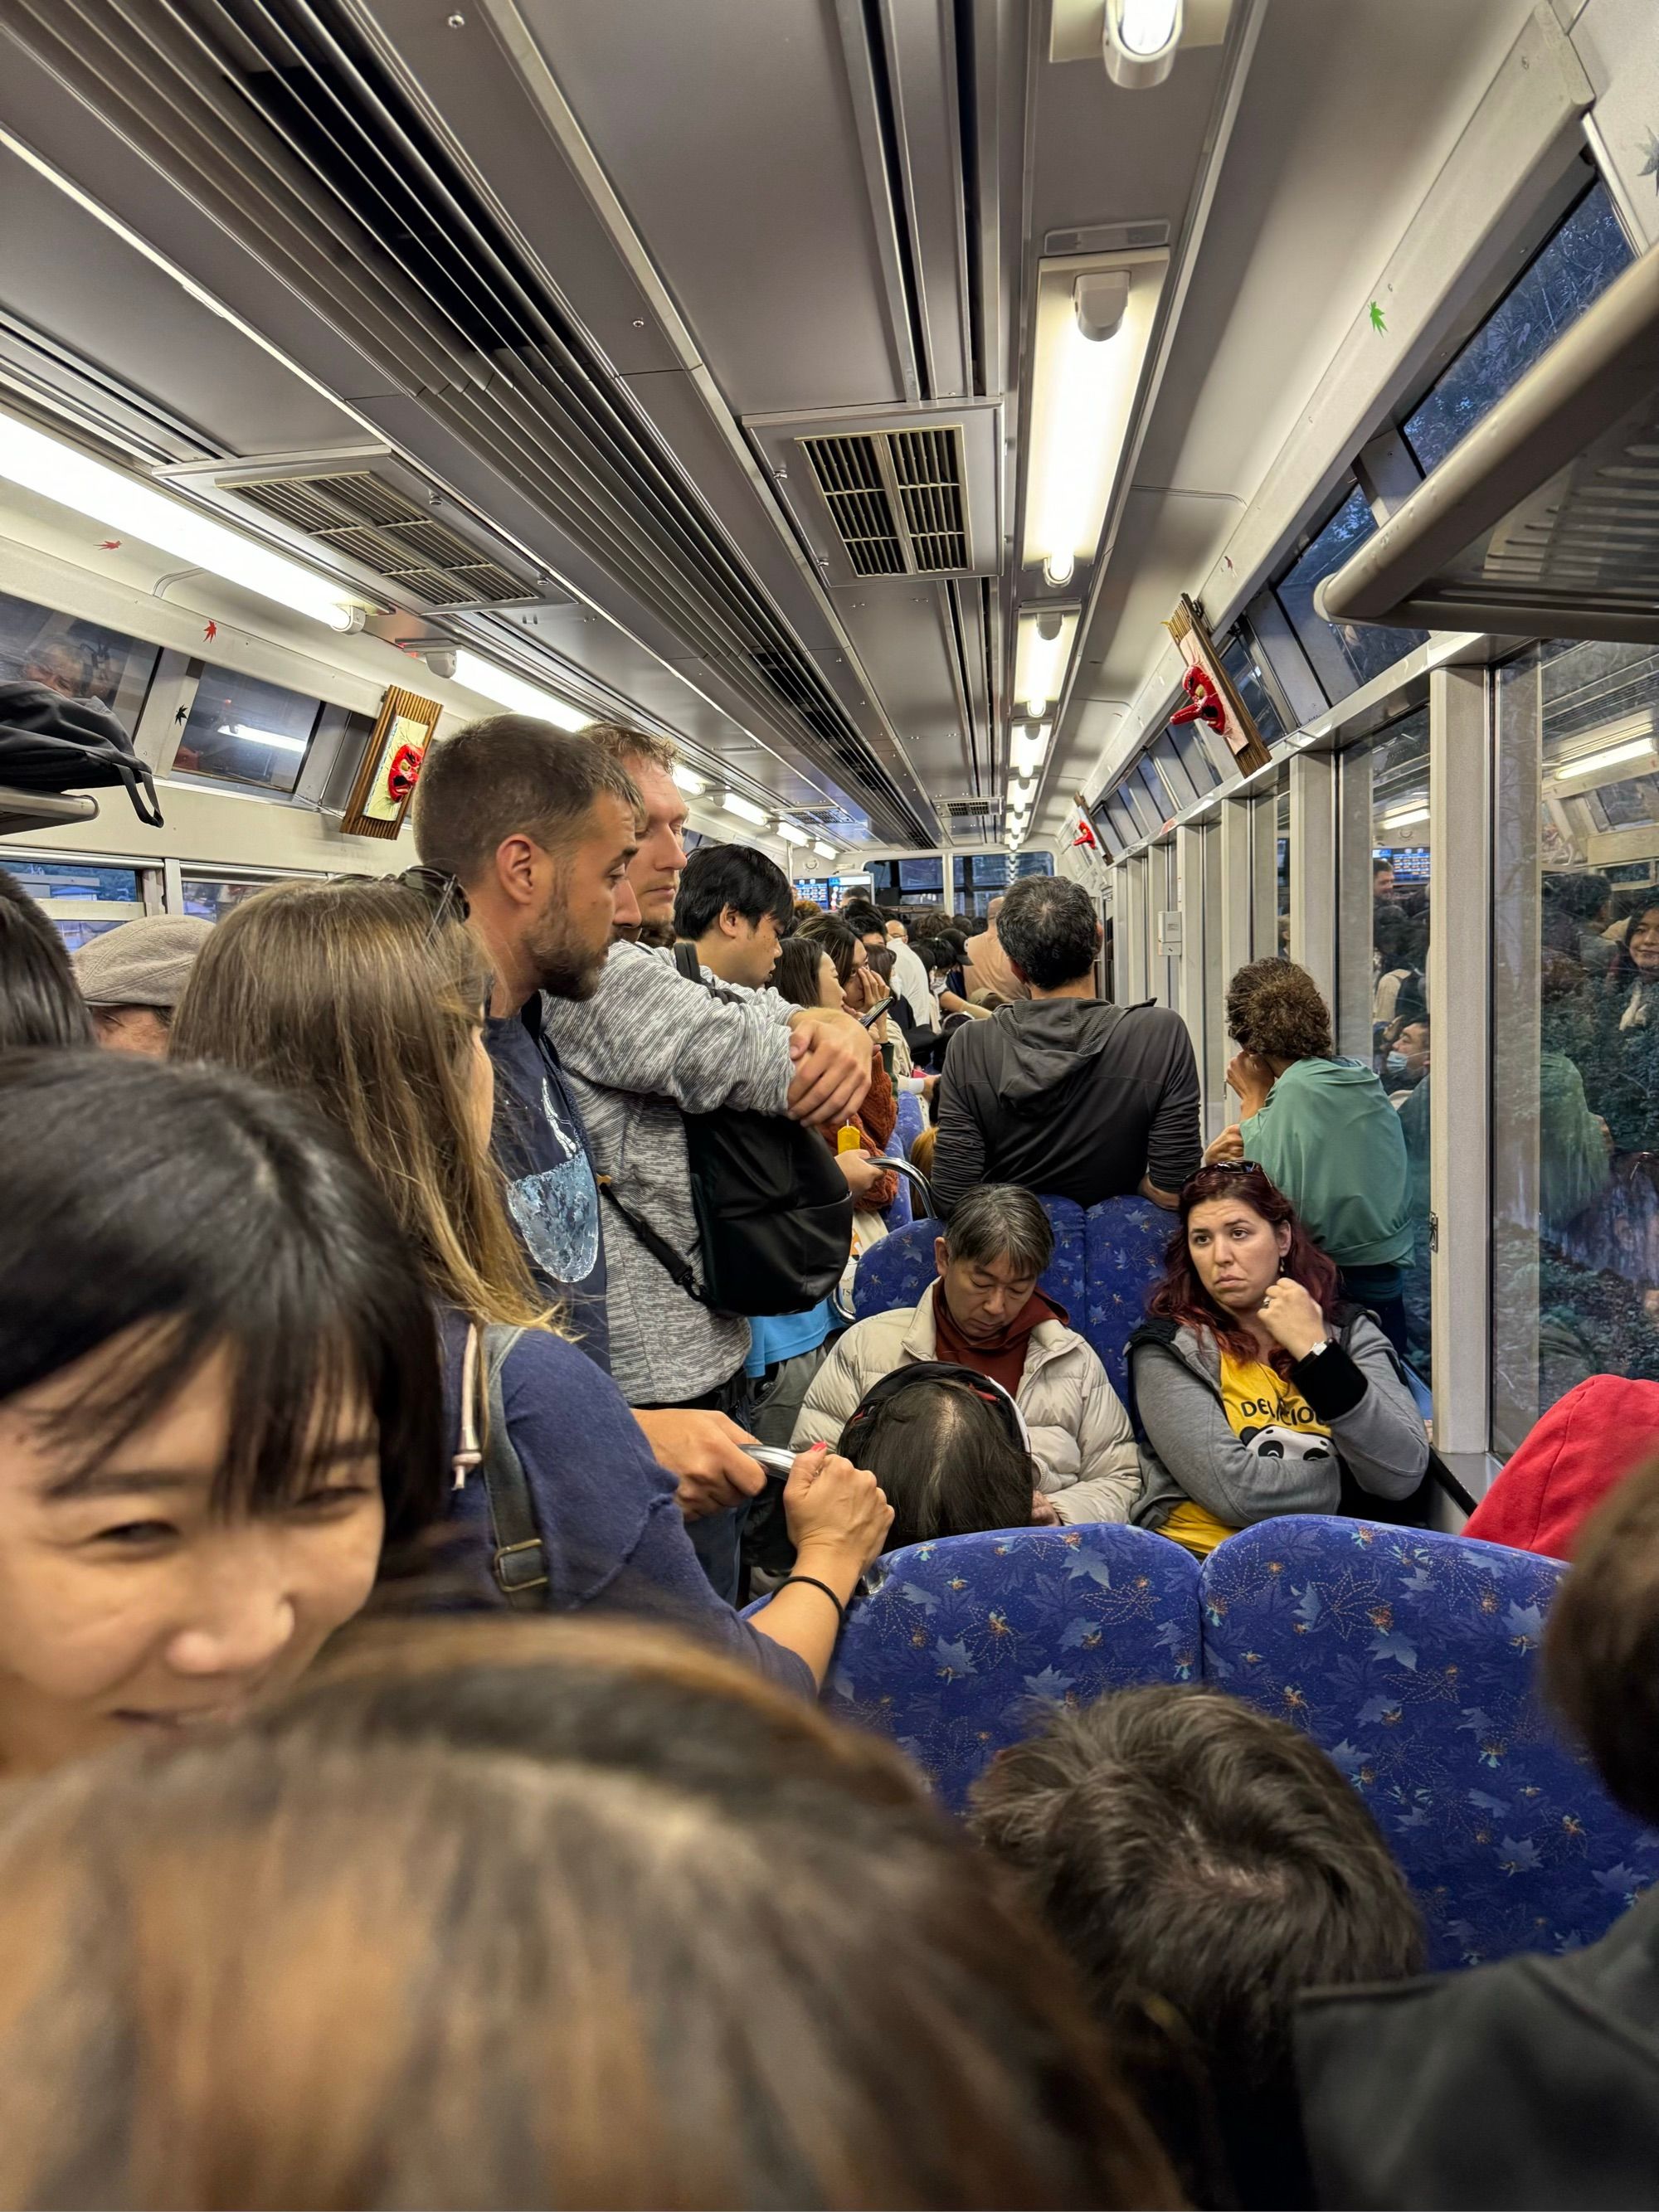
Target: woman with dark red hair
<point>1258,1390</point>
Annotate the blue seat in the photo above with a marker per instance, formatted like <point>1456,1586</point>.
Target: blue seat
<point>1413,1659</point>
<point>896,1271</point>
<point>912,1119</point>
<point>1124,1242</point>
<point>902,1212</point>
<point>967,1640</point>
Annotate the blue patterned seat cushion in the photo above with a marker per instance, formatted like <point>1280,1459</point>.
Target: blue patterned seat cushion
<point>969,1639</point>
<point>912,1119</point>
<point>1413,1659</point>
<point>1124,1242</point>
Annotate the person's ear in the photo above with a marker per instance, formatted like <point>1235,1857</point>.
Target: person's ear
<point>941,1256</point>
<point>1282,1238</point>
<point>731,922</point>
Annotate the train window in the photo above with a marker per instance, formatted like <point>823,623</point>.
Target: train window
<point>243,730</point>
<point>1574,266</point>
<point>80,659</point>
<point>1280,802</point>
<point>1239,658</point>
<point>1032,864</point>
<point>82,898</point>
<point>1575,1104</point>
<point>1344,655</point>
<point>212,897</point>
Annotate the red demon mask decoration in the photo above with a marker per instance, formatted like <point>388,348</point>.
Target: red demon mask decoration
<point>404,773</point>
<point>1204,703</point>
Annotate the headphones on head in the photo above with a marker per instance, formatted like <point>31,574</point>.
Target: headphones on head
<point>1012,1421</point>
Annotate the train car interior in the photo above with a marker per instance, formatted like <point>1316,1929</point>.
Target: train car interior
<point>1182,475</point>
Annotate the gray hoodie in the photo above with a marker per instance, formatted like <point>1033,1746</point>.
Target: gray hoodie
<point>1354,1387</point>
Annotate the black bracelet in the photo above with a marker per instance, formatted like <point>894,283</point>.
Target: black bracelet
<point>812,1582</point>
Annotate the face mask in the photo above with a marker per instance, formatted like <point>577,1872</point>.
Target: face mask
<point>1395,1066</point>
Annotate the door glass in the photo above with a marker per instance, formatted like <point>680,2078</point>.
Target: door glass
<point>1399,867</point>
<point>1575,1026</point>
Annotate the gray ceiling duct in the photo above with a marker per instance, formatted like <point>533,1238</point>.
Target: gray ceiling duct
<point>280,119</point>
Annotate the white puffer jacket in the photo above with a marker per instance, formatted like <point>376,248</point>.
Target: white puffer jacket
<point>1081,1438</point>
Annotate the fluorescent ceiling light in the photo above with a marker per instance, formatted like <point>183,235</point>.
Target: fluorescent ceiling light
<point>478,674</point>
<point>791,833</point>
<point>743,808</point>
<point>1408,816</point>
<point>1085,370</point>
<point>825,852</point>
<point>1027,746</point>
<point>1138,41</point>
<point>1614,755</point>
<point>688,780</point>
<point>272,738</point>
<point>122,505</point>
<point>1041,652</point>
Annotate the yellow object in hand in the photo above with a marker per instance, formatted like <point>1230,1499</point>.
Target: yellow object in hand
<point>849,1139</point>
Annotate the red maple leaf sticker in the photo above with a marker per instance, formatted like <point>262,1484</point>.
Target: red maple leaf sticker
<point>210,632</point>
<point>109,545</point>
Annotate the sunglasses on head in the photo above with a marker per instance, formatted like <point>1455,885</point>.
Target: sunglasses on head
<point>441,892</point>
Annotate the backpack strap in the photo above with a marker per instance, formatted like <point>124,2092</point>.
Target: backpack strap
<point>674,1265</point>
<point>686,960</point>
<point>519,1565</point>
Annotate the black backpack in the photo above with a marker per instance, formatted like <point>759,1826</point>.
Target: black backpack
<point>773,1213</point>
<point>48,743</point>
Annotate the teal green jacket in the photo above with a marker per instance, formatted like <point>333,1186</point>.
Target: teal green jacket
<point>1329,1139</point>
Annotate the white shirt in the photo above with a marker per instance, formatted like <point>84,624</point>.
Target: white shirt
<point>910,983</point>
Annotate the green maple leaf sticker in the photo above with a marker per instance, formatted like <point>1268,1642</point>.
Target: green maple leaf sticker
<point>1377,323</point>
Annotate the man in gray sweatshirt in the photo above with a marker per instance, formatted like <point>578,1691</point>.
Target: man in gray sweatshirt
<point>648,1047</point>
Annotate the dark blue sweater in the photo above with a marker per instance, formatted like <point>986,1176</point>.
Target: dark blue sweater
<point>607,1512</point>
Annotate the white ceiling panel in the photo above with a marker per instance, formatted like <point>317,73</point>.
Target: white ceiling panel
<point>726,129</point>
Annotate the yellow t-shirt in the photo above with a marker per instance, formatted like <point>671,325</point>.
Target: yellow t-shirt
<point>1268,1415</point>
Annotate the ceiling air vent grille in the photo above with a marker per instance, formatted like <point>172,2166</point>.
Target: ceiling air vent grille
<point>927,467</point>
<point>358,516</point>
<point>896,498</point>
<point>849,475</point>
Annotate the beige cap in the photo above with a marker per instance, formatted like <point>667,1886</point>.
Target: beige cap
<point>141,964</point>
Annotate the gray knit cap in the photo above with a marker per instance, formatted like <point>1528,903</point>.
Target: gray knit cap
<point>141,964</point>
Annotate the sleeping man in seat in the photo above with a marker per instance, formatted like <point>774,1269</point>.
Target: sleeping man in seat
<point>986,1313</point>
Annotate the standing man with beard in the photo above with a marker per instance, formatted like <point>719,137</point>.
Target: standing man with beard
<point>538,827</point>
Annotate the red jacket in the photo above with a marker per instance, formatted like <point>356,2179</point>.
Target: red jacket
<point>1578,1451</point>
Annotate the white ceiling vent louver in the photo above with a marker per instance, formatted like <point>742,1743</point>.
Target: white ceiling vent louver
<point>875,496</point>
<point>369,511</point>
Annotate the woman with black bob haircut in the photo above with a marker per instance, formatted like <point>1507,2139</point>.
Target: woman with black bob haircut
<point>1259,1390</point>
<point>220,1399</point>
<point>941,1449</point>
<point>39,1002</point>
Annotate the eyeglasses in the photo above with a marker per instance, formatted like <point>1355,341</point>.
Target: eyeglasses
<point>442,893</point>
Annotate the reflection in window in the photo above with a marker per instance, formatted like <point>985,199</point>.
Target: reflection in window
<point>1242,665</point>
<point>243,730</point>
<point>211,898</point>
<point>1575,1028</point>
<point>1347,654</point>
<point>1575,267</point>
<point>1396,764</point>
<point>82,898</point>
<point>1281,806</point>
<point>80,659</point>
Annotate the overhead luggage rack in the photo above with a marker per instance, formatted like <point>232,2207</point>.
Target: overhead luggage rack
<point>41,810</point>
<point>1544,521</point>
